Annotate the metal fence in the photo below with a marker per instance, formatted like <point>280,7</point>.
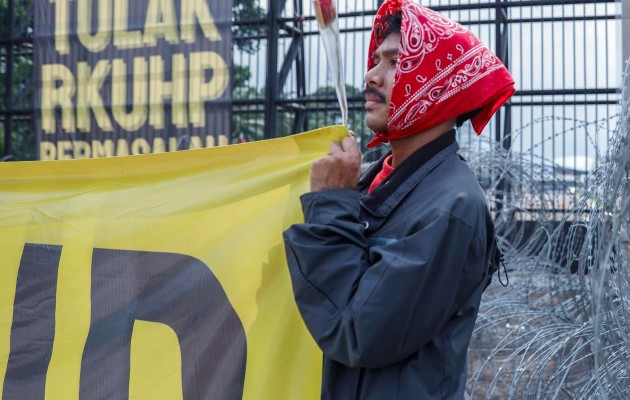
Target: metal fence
<point>565,57</point>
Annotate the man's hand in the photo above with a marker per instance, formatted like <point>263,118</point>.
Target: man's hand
<point>338,170</point>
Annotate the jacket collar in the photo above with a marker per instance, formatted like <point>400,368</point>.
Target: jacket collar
<point>406,176</point>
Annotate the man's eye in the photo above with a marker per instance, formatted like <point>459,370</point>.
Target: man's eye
<point>393,62</point>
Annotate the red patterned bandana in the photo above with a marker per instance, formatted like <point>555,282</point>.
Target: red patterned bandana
<point>443,71</point>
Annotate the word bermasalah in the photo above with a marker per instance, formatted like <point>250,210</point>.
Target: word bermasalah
<point>101,77</point>
<point>74,149</point>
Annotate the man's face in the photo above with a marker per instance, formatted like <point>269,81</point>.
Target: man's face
<point>379,81</point>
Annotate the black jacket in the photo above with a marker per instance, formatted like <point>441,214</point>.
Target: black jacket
<point>389,284</point>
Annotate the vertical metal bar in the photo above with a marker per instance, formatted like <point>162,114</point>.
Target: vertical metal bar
<point>8,93</point>
<point>521,108</point>
<point>575,61</point>
<point>501,32</point>
<point>299,123</point>
<point>302,116</point>
<point>606,68</point>
<point>501,40</point>
<point>625,29</point>
<point>564,84</point>
<point>596,83</point>
<point>554,178</point>
<point>543,113</point>
<point>505,50</point>
<point>586,80</point>
<point>531,98</point>
<point>505,58</point>
<point>497,41</point>
<point>271,95</point>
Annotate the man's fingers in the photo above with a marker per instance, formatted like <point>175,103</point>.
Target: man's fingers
<point>335,147</point>
<point>348,144</point>
<point>341,168</point>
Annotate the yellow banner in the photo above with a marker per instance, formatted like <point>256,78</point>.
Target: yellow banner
<point>158,276</point>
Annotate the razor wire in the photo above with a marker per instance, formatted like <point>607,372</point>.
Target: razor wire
<point>561,330</point>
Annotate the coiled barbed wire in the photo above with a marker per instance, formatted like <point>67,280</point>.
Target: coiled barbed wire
<point>561,330</point>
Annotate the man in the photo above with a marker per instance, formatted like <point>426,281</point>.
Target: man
<point>389,267</point>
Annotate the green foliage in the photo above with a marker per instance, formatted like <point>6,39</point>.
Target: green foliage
<point>240,87</point>
<point>248,10</point>
<point>248,126</point>
<point>21,96</point>
<point>21,8</point>
<point>23,142</point>
<point>324,118</point>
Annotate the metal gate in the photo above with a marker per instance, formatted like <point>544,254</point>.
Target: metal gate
<point>565,57</point>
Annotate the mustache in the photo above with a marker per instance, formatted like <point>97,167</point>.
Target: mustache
<point>371,90</point>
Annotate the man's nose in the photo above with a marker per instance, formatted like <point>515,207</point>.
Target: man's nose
<point>373,77</point>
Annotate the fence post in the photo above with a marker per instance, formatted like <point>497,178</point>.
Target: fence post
<point>502,51</point>
<point>271,94</point>
<point>8,92</point>
<point>501,131</point>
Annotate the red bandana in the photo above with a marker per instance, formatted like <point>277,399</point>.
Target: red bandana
<point>443,71</point>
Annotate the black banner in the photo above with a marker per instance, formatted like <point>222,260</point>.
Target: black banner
<point>120,77</point>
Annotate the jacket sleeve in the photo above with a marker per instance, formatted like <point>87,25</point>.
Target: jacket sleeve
<point>373,307</point>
